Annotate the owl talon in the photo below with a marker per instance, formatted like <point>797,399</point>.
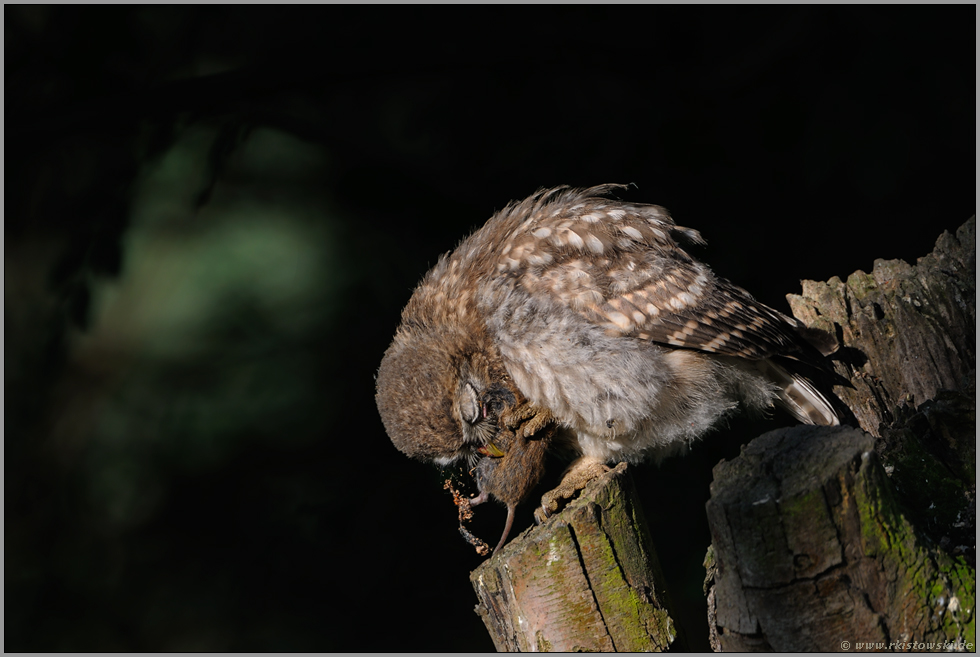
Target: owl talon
<point>577,477</point>
<point>526,419</point>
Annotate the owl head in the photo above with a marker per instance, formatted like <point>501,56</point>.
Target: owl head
<point>441,397</point>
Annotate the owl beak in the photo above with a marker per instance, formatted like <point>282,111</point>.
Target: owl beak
<point>490,450</point>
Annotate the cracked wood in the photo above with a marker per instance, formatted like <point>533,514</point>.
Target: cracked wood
<point>587,579</point>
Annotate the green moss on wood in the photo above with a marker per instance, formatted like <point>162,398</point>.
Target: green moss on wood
<point>860,285</point>
<point>925,579</point>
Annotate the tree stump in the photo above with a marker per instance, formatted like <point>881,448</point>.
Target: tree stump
<point>811,552</point>
<point>907,331</point>
<point>588,579</point>
<point>816,545</point>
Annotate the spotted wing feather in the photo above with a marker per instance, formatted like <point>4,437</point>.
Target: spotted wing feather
<point>619,265</point>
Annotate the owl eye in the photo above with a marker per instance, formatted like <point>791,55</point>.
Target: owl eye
<point>469,404</point>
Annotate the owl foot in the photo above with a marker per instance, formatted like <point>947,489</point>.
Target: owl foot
<point>576,478</point>
<point>526,419</point>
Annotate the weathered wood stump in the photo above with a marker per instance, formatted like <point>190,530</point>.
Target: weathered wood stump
<point>816,545</point>
<point>588,579</point>
<point>907,331</point>
<point>812,552</point>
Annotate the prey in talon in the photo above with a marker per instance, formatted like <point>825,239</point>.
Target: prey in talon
<point>511,467</point>
<point>579,321</point>
<point>510,462</point>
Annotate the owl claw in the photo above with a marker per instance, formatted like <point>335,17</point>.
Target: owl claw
<point>577,477</point>
<point>526,419</point>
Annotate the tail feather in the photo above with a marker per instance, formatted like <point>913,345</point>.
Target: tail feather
<point>801,398</point>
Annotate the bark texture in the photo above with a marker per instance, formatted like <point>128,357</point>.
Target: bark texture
<point>811,550</point>
<point>909,350</point>
<point>588,579</point>
<point>824,538</point>
<point>907,331</point>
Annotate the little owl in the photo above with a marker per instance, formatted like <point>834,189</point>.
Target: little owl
<point>572,321</point>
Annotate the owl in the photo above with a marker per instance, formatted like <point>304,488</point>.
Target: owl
<point>575,322</point>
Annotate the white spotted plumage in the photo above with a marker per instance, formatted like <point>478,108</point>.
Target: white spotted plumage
<point>592,310</point>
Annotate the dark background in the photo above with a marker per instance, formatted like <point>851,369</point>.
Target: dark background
<point>214,216</point>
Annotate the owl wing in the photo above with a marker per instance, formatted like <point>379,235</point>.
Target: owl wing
<point>620,266</point>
